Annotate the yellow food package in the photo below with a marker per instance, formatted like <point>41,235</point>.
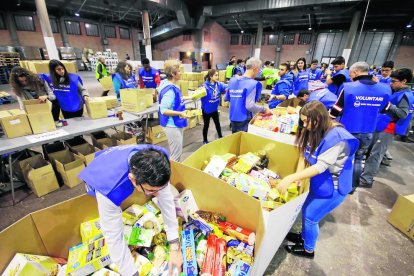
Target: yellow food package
<point>199,93</point>
<point>90,230</point>
<point>133,213</point>
<point>270,204</point>
<point>246,162</point>
<point>26,264</point>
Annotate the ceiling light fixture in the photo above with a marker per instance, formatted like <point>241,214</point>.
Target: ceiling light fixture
<point>242,31</point>
<point>77,12</point>
<point>310,23</point>
<point>409,25</point>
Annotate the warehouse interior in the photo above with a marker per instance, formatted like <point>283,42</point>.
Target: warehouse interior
<point>355,238</point>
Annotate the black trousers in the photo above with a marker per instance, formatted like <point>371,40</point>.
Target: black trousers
<point>55,110</point>
<point>69,115</point>
<point>206,119</point>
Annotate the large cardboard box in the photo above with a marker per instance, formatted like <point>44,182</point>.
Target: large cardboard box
<point>85,151</point>
<point>156,135</point>
<point>70,66</point>
<point>38,67</point>
<point>40,116</point>
<point>184,87</point>
<point>222,75</point>
<point>283,159</point>
<point>133,101</point>
<point>107,83</point>
<point>53,230</point>
<point>15,123</point>
<point>96,108</point>
<point>68,165</point>
<point>402,215</point>
<point>39,175</point>
<point>123,138</point>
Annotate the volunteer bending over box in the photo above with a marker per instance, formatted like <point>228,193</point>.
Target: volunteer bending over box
<point>142,167</point>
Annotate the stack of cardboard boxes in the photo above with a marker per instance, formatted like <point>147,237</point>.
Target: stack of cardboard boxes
<point>42,66</point>
<point>191,80</point>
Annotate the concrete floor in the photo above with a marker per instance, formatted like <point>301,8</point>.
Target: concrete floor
<point>355,239</point>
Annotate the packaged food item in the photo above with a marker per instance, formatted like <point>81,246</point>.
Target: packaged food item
<point>105,272</point>
<point>208,265</point>
<point>143,265</point>
<point>216,230</point>
<point>189,255</point>
<point>239,268</point>
<point>270,173</point>
<point>242,234</point>
<point>150,221</point>
<point>211,217</point>
<point>133,213</point>
<point>152,207</point>
<point>85,259</point>
<point>132,235</point>
<point>145,237</point>
<point>246,162</point>
<point>90,230</point>
<point>269,204</point>
<point>220,258</point>
<point>216,166</point>
<point>238,250</point>
<point>160,239</point>
<point>26,264</point>
<point>186,204</point>
<point>201,253</point>
<point>201,224</point>
<point>259,175</point>
<point>160,255</point>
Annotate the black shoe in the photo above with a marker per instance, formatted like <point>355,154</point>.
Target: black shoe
<point>386,162</point>
<point>352,191</point>
<point>364,184</point>
<point>295,238</point>
<point>298,250</point>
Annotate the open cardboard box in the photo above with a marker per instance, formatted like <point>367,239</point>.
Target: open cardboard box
<point>124,138</point>
<point>40,116</point>
<point>68,165</point>
<point>101,140</point>
<point>283,159</point>
<point>83,149</point>
<point>53,230</point>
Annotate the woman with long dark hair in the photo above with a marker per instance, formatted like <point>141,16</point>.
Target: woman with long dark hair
<point>68,89</point>
<point>210,103</point>
<point>123,78</point>
<point>29,86</point>
<point>329,151</point>
<point>301,77</point>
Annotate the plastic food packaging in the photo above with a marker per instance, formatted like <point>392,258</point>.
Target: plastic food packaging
<point>133,213</point>
<point>208,265</point>
<point>201,224</point>
<point>239,268</point>
<point>90,230</point>
<point>220,258</point>
<point>189,252</point>
<point>26,264</point>
<point>242,234</point>
<point>201,252</point>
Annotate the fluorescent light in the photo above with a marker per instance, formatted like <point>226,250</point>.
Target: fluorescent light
<point>242,31</point>
<point>310,29</point>
<point>77,14</point>
<point>409,25</point>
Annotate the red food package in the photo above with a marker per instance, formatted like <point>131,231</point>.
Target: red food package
<point>220,258</point>
<point>208,266</point>
<point>235,231</point>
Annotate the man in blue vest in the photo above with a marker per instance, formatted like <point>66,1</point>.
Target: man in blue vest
<point>386,71</point>
<point>243,93</point>
<point>112,177</point>
<point>314,72</point>
<point>395,122</point>
<point>335,79</point>
<point>282,89</point>
<point>324,96</point>
<point>148,77</point>
<point>358,105</point>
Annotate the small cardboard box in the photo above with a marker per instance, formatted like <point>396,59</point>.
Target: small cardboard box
<point>133,101</point>
<point>15,123</point>
<point>402,215</point>
<point>85,151</point>
<point>110,101</point>
<point>68,165</point>
<point>39,175</point>
<point>123,138</point>
<point>101,140</point>
<point>107,83</point>
<point>156,135</point>
<point>96,108</point>
<point>222,75</point>
<point>40,116</point>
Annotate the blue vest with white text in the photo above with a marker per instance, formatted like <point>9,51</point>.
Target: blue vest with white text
<point>148,77</point>
<point>333,87</point>
<point>401,125</point>
<point>108,172</point>
<point>178,106</point>
<point>280,89</point>
<point>300,81</point>
<point>129,83</point>
<point>314,74</point>
<point>238,90</point>
<point>322,185</point>
<point>384,80</point>
<point>362,104</point>
<point>324,96</point>
<point>211,101</point>
<point>67,95</point>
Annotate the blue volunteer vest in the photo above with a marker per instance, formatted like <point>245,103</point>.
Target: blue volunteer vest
<point>238,90</point>
<point>401,125</point>
<point>333,87</point>
<point>324,96</point>
<point>300,82</point>
<point>211,101</point>
<point>239,69</point>
<point>129,83</point>
<point>68,96</point>
<point>384,80</point>
<point>108,172</point>
<point>322,185</point>
<point>314,74</point>
<point>363,103</point>
<point>148,77</point>
<point>178,106</point>
<point>284,81</point>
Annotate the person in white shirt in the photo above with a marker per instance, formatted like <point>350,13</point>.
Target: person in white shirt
<point>112,178</point>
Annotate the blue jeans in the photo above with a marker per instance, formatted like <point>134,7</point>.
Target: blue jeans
<point>364,143</point>
<point>313,211</point>
<point>239,126</point>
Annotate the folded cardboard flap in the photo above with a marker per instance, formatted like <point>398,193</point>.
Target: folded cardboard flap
<point>34,106</point>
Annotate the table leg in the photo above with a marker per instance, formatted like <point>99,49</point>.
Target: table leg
<point>11,176</point>
<point>146,127</point>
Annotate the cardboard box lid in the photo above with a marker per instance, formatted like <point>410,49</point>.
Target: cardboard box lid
<point>33,106</point>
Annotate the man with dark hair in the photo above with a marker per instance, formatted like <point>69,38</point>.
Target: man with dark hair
<point>335,79</point>
<point>112,177</point>
<point>240,69</point>
<point>324,96</point>
<point>300,100</point>
<point>283,87</point>
<point>395,121</point>
<point>149,77</point>
<point>386,70</point>
<point>314,72</point>
<point>359,104</point>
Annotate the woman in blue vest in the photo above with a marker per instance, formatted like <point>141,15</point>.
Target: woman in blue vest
<point>329,152</point>
<point>123,78</point>
<point>68,89</point>
<point>210,103</point>
<point>301,76</point>
<point>172,114</point>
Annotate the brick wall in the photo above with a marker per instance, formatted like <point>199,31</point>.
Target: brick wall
<point>405,57</point>
<point>5,38</point>
<point>171,48</point>
<point>293,52</point>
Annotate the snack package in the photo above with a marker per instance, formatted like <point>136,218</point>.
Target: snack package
<point>26,264</point>
<point>85,259</point>
<point>160,239</point>
<point>211,217</point>
<point>216,166</point>
<point>259,175</point>
<point>238,250</point>
<point>199,93</point>
<point>145,237</point>
<point>150,221</point>
<point>208,265</point>
<point>133,213</point>
<point>201,253</point>
<point>220,258</point>
<point>242,234</point>
<point>189,255</point>
<point>201,224</point>
<point>216,230</point>
<point>143,265</point>
<point>160,255</point>
<point>269,204</point>
<point>186,204</point>
<point>132,234</point>
<point>239,268</point>
<point>246,162</point>
<point>152,207</point>
<point>105,272</point>
<point>90,230</point>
